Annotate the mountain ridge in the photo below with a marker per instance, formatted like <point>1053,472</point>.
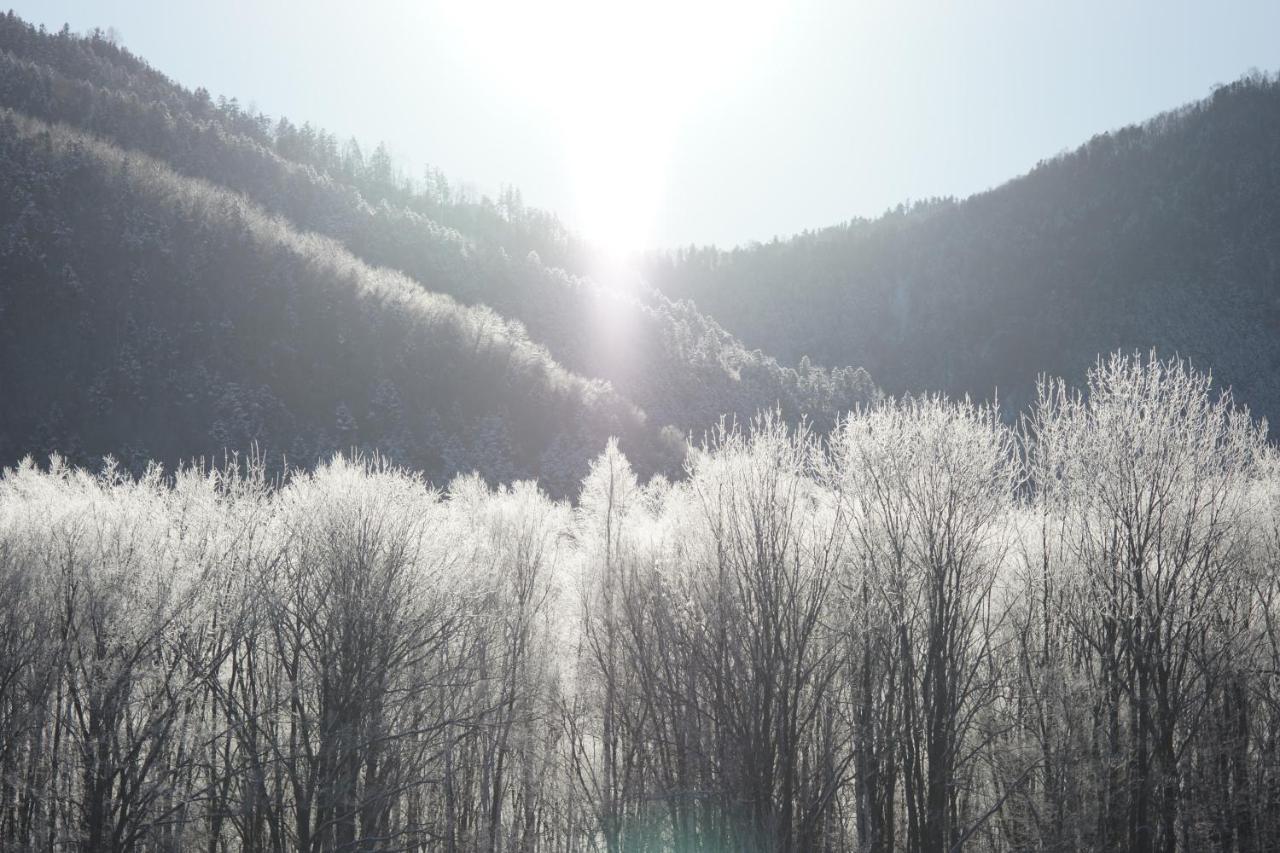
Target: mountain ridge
<point>1161,235</point>
<point>676,366</point>
<point>658,339</point>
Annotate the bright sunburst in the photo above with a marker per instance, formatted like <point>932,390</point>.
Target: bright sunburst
<point>618,79</point>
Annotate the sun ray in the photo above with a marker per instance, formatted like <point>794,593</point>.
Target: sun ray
<point>617,80</point>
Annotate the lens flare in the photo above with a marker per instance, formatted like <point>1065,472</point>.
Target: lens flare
<point>618,79</point>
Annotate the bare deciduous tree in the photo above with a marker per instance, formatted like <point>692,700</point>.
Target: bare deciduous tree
<point>927,631</point>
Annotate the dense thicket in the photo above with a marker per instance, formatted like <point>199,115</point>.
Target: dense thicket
<point>929,631</point>
<point>147,315</point>
<point>676,364</point>
<point>1164,234</point>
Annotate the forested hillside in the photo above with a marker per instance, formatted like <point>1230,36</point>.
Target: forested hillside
<point>674,364</point>
<point>155,317</point>
<point>929,632</point>
<point>1164,234</point>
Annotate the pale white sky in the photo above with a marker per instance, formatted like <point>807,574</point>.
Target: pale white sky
<point>706,121</point>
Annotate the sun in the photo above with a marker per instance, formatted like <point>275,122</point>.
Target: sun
<point>618,79</point>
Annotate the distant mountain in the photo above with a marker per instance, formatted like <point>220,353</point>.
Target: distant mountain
<point>501,265</point>
<point>677,364</point>
<point>1163,235</point>
<point>152,316</point>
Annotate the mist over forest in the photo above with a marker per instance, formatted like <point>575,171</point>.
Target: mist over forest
<point>344,507</point>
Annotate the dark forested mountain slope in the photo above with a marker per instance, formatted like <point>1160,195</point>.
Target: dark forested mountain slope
<point>1164,235</point>
<point>677,364</point>
<point>153,316</point>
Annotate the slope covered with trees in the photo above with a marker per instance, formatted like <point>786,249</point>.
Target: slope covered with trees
<point>676,364</point>
<point>1164,234</point>
<point>148,315</point>
<point>930,631</point>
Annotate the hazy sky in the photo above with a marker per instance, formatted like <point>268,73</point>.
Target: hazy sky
<point>665,123</point>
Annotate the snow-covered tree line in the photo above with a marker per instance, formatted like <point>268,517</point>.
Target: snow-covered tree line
<point>928,631</point>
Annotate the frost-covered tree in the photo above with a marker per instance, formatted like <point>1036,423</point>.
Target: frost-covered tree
<point>927,631</point>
